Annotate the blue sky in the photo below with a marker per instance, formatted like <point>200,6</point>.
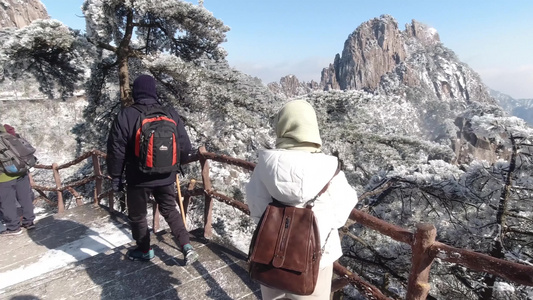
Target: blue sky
<point>273,38</point>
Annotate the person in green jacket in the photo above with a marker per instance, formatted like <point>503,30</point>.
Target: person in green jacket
<point>15,189</point>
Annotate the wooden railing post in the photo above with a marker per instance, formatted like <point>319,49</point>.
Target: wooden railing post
<point>208,208</point>
<point>187,197</point>
<point>98,173</point>
<point>60,203</point>
<point>32,184</point>
<point>111,199</point>
<point>418,286</point>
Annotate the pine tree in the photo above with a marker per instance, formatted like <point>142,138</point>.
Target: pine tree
<point>146,30</point>
<point>47,50</point>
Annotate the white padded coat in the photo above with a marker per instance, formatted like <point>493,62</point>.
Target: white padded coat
<point>294,177</point>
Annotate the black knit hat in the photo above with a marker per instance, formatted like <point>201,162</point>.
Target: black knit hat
<point>144,87</point>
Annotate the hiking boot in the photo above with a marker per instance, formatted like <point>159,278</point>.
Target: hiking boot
<point>29,226</point>
<point>137,254</point>
<point>8,232</point>
<point>190,255</point>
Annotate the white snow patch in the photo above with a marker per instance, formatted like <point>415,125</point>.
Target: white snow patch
<point>98,240</point>
<point>504,287</point>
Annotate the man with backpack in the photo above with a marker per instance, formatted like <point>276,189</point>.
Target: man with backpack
<point>14,188</point>
<point>149,141</point>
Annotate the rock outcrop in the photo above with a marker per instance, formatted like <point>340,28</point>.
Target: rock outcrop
<point>469,145</point>
<point>374,49</point>
<point>290,86</point>
<point>378,57</point>
<point>19,13</point>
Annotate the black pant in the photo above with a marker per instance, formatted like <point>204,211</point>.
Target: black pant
<point>12,191</point>
<point>165,196</point>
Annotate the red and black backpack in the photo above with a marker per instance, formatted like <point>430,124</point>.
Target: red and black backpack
<point>156,140</point>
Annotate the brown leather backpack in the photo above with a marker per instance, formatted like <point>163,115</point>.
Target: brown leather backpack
<point>285,248</point>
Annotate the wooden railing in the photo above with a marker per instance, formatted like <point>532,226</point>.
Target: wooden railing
<point>425,249</point>
<point>98,178</point>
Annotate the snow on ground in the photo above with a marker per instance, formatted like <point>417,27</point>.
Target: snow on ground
<point>99,238</point>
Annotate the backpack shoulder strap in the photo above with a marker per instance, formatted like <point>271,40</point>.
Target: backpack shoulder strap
<point>311,202</point>
<point>3,146</point>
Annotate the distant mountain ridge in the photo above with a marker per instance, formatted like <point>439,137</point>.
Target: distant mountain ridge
<point>521,108</point>
<point>380,58</point>
<point>19,13</point>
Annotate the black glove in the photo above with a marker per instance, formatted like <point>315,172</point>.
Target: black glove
<point>117,185</point>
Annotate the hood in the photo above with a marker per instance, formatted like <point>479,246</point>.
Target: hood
<point>297,127</point>
<point>10,129</point>
<point>294,177</point>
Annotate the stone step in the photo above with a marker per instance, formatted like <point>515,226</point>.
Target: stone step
<point>81,255</point>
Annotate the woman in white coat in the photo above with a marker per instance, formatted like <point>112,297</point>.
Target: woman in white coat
<point>295,172</point>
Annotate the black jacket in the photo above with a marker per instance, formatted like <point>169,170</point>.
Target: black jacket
<point>121,146</point>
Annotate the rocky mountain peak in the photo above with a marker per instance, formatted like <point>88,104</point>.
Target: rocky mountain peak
<point>379,57</point>
<point>19,13</point>
<point>290,86</point>
<point>428,36</point>
<point>373,49</point>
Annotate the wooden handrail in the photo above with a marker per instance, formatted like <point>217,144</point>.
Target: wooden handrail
<point>519,273</point>
<point>347,277</point>
<point>75,161</point>
<point>425,248</point>
<point>395,232</point>
<point>226,159</point>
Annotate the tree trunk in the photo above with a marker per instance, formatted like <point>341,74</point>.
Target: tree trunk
<point>123,54</point>
<point>124,81</point>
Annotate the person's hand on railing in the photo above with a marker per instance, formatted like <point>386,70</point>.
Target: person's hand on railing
<point>193,155</point>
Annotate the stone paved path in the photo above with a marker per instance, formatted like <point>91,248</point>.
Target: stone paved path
<point>80,254</point>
